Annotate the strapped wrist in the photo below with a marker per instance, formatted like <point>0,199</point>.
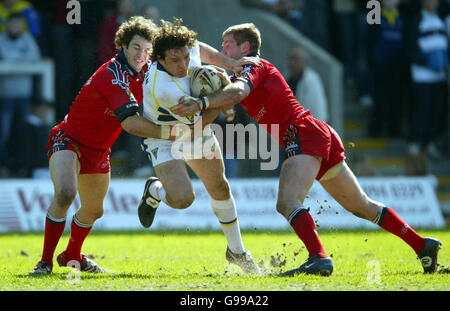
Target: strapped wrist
<point>165,131</point>
<point>205,103</point>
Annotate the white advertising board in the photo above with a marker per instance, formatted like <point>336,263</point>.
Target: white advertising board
<point>24,203</point>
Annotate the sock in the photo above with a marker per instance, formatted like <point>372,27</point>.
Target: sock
<point>54,228</point>
<point>227,216</point>
<point>78,234</point>
<point>391,222</point>
<point>157,190</point>
<point>303,224</point>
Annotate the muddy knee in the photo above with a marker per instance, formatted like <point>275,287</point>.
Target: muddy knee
<point>221,190</point>
<point>182,201</point>
<point>65,196</point>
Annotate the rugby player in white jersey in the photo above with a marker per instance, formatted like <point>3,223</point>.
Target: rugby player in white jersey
<point>176,51</point>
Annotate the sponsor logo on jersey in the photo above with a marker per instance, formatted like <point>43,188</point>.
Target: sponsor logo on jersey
<point>191,118</point>
<point>243,75</point>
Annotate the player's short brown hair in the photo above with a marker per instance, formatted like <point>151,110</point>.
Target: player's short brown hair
<point>245,32</point>
<point>172,36</point>
<point>136,25</point>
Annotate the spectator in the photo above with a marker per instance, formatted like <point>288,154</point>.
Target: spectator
<point>288,10</point>
<point>306,84</point>
<point>124,9</point>
<point>44,10</point>
<point>428,50</point>
<point>61,39</point>
<point>15,90</point>
<point>345,12</point>
<point>351,36</point>
<point>24,8</point>
<point>85,41</point>
<point>73,47</point>
<point>388,62</point>
<point>38,124</point>
<point>151,12</point>
<point>310,20</point>
<point>315,22</point>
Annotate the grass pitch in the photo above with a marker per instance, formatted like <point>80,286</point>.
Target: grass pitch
<point>195,261</point>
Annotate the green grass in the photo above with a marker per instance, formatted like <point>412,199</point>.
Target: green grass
<point>195,261</point>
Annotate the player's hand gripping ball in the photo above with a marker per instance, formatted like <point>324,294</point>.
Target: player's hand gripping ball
<point>204,81</point>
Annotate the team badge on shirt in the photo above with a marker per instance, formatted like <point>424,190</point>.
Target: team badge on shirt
<point>243,75</point>
<point>130,95</point>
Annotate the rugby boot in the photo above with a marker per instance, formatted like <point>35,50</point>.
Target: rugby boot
<point>148,205</point>
<point>314,265</point>
<point>42,268</point>
<point>244,261</point>
<point>85,265</point>
<point>428,255</point>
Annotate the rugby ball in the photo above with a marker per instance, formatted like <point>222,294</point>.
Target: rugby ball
<point>204,81</point>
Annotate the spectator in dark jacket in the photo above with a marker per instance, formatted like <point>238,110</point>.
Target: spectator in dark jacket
<point>428,52</point>
<point>108,27</point>
<point>16,46</point>
<point>26,10</point>
<point>388,62</point>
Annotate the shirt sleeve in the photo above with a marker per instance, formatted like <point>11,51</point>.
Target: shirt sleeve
<point>168,99</point>
<point>195,56</point>
<point>252,75</point>
<point>118,93</point>
<point>33,22</point>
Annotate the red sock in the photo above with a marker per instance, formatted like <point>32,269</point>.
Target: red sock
<point>54,228</point>
<point>78,234</point>
<point>304,226</point>
<point>394,224</point>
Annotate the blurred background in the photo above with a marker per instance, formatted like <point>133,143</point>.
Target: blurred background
<point>382,86</point>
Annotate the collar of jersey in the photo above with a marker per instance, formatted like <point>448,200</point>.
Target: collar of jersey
<point>123,61</point>
<point>160,67</point>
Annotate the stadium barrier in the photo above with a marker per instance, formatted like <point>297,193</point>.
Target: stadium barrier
<point>24,203</point>
<point>45,69</point>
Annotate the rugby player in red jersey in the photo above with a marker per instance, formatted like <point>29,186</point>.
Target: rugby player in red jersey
<point>313,150</point>
<point>79,147</point>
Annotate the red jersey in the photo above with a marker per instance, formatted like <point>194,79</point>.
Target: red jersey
<point>112,93</point>
<point>271,100</point>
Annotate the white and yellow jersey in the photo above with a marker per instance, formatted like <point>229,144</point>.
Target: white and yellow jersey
<point>163,91</point>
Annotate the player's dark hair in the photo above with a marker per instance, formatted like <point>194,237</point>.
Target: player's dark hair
<point>245,32</point>
<point>136,25</point>
<point>172,36</point>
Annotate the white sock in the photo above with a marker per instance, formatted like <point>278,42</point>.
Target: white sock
<point>157,190</point>
<point>227,216</point>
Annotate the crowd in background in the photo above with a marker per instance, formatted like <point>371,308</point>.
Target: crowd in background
<point>397,69</point>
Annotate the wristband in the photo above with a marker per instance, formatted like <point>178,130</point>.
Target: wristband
<point>165,131</point>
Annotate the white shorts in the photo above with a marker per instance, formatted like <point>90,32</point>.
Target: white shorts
<point>163,150</point>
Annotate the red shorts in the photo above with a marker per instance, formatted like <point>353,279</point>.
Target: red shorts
<point>92,161</point>
<point>315,138</point>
